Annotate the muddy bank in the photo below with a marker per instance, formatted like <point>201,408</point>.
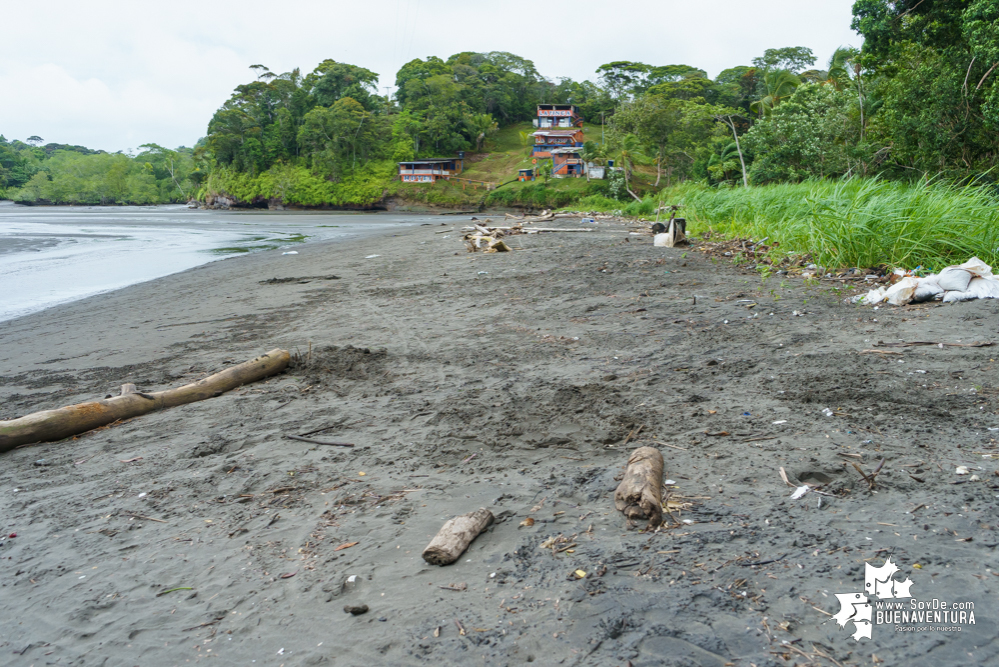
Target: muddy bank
<point>509,381</point>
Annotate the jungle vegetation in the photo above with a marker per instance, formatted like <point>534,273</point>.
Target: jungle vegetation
<point>919,102</point>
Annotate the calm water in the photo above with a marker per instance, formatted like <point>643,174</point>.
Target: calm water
<point>52,255</point>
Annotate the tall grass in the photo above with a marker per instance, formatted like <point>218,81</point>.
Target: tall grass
<point>859,222</point>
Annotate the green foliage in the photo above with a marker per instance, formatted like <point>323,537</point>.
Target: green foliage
<point>672,132</point>
<point>791,58</point>
<point>933,77</point>
<point>533,195</point>
<point>69,177</point>
<point>298,185</point>
<point>815,133</point>
<point>333,138</point>
<point>617,186</point>
<point>777,85</point>
<point>16,165</point>
<point>856,222</point>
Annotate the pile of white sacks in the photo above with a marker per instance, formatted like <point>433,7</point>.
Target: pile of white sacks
<point>971,280</point>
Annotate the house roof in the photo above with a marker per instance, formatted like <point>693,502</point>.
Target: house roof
<point>556,133</point>
<point>431,160</point>
<point>564,151</point>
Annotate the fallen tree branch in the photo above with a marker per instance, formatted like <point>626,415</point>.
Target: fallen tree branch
<point>320,442</point>
<point>51,425</point>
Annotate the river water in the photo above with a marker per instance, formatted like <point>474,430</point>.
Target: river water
<point>53,255</point>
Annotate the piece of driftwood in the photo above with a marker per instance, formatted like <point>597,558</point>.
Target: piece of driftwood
<point>639,495</point>
<point>319,442</point>
<point>455,536</point>
<point>60,423</point>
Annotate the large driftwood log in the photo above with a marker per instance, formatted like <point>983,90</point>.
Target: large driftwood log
<point>455,536</point>
<point>639,495</point>
<point>50,425</point>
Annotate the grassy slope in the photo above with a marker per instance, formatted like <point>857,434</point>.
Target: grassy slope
<point>503,156</point>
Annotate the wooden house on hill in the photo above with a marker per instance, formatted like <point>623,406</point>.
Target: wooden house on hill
<point>558,115</point>
<point>430,170</point>
<point>547,140</point>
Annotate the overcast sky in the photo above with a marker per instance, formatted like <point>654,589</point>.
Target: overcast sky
<point>114,75</point>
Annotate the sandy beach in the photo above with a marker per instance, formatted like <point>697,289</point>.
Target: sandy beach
<point>518,382</point>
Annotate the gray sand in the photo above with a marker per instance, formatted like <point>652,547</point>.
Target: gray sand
<point>506,381</point>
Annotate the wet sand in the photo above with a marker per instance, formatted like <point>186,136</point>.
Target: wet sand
<point>508,381</point>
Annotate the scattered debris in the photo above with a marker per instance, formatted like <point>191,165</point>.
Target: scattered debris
<point>963,282</point>
<point>356,610</point>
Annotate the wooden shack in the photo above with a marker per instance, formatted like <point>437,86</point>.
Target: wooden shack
<point>525,175</point>
<point>430,170</point>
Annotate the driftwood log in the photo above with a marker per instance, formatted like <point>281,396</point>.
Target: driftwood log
<point>455,536</point>
<point>639,495</point>
<point>60,423</point>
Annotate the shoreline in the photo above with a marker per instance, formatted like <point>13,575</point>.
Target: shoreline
<point>60,258</point>
<point>513,381</point>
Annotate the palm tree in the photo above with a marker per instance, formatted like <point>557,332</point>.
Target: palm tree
<point>593,152</point>
<point>839,67</point>
<point>481,126</point>
<point>630,153</point>
<point>779,84</point>
<point>527,141</point>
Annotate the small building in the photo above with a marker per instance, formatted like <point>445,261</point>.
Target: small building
<point>546,140</point>
<point>430,170</point>
<point>525,175</point>
<point>596,171</point>
<point>566,163</point>
<point>558,115</point>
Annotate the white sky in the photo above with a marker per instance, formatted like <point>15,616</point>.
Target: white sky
<point>114,75</point>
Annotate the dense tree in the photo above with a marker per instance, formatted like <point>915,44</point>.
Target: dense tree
<point>932,70</point>
<point>794,59</point>
<point>814,133</point>
<point>672,131</point>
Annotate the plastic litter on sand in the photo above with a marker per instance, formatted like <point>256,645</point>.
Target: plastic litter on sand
<point>963,282</point>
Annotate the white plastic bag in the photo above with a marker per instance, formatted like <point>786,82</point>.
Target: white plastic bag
<point>874,296</point>
<point>901,292</point>
<point>977,267</point>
